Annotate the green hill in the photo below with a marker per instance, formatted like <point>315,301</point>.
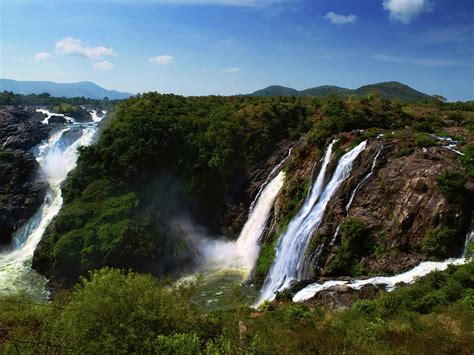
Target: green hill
<point>389,90</point>
<point>81,89</point>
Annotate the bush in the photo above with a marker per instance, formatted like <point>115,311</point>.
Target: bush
<point>424,141</point>
<point>452,185</point>
<point>436,242</point>
<point>356,242</point>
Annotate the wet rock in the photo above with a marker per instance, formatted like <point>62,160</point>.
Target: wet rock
<point>21,128</point>
<point>341,297</point>
<point>21,193</point>
<point>57,120</point>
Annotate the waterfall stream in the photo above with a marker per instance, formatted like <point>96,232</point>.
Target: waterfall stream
<point>56,157</point>
<point>290,252</point>
<point>389,282</point>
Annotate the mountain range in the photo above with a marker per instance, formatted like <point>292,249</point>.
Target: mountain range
<point>81,89</point>
<point>388,90</point>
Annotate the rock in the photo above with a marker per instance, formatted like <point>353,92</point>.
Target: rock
<point>57,120</point>
<point>21,194</point>
<point>21,128</point>
<point>341,297</point>
<point>398,204</point>
<point>21,191</point>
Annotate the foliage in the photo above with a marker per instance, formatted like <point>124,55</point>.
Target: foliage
<point>120,312</point>
<point>452,185</point>
<point>45,99</point>
<point>437,242</point>
<point>356,241</point>
<point>467,160</point>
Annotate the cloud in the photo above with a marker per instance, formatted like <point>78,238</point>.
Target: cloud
<point>74,47</point>
<point>406,10</point>
<point>429,62</point>
<point>43,56</point>
<point>163,59</point>
<point>105,65</point>
<point>231,70</point>
<point>340,19</point>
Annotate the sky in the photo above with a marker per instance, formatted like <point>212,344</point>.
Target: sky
<point>227,47</point>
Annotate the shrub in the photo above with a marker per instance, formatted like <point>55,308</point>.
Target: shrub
<point>424,141</point>
<point>356,242</point>
<point>436,242</point>
<point>452,185</point>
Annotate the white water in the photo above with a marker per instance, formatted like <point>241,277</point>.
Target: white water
<point>390,282</point>
<point>290,254</point>
<point>452,144</point>
<point>366,177</point>
<point>274,170</point>
<point>243,252</point>
<point>56,158</point>
<point>49,114</point>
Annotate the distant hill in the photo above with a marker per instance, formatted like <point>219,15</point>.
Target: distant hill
<point>388,90</point>
<point>81,89</point>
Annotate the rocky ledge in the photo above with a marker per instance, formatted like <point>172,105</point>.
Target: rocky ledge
<point>21,191</point>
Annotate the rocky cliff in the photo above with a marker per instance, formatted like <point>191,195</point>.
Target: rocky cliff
<point>383,222</point>
<point>21,192</point>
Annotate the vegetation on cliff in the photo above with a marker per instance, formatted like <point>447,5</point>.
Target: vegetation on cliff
<point>161,157</point>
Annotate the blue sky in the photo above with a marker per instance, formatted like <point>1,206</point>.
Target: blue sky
<point>193,47</point>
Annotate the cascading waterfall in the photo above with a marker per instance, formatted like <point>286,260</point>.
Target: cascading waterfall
<point>389,282</point>
<point>274,170</point>
<point>227,263</point>
<point>243,252</point>
<point>56,158</point>
<point>365,178</point>
<point>290,254</point>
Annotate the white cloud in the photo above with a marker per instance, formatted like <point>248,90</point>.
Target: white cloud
<point>429,62</point>
<point>43,56</point>
<point>406,10</point>
<point>340,19</point>
<point>105,65</point>
<point>164,59</point>
<point>232,70</point>
<point>74,47</point>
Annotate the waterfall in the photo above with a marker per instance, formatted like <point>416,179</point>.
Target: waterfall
<point>243,252</point>
<point>248,242</point>
<point>56,157</point>
<point>365,178</point>
<point>390,282</point>
<point>274,170</point>
<point>49,114</point>
<point>290,253</point>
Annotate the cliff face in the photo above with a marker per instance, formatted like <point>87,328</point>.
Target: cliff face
<point>21,192</point>
<point>398,216</point>
<point>399,206</point>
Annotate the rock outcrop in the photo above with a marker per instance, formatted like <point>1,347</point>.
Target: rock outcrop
<point>21,191</point>
<point>398,205</point>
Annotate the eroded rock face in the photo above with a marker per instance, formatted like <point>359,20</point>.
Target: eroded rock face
<point>341,297</point>
<point>398,205</point>
<point>21,128</point>
<point>21,192</point>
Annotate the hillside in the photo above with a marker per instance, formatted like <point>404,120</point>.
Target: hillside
<point>81,89</point>
<point>391,90</point>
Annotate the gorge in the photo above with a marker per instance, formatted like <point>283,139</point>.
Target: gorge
<point>278,201</point>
